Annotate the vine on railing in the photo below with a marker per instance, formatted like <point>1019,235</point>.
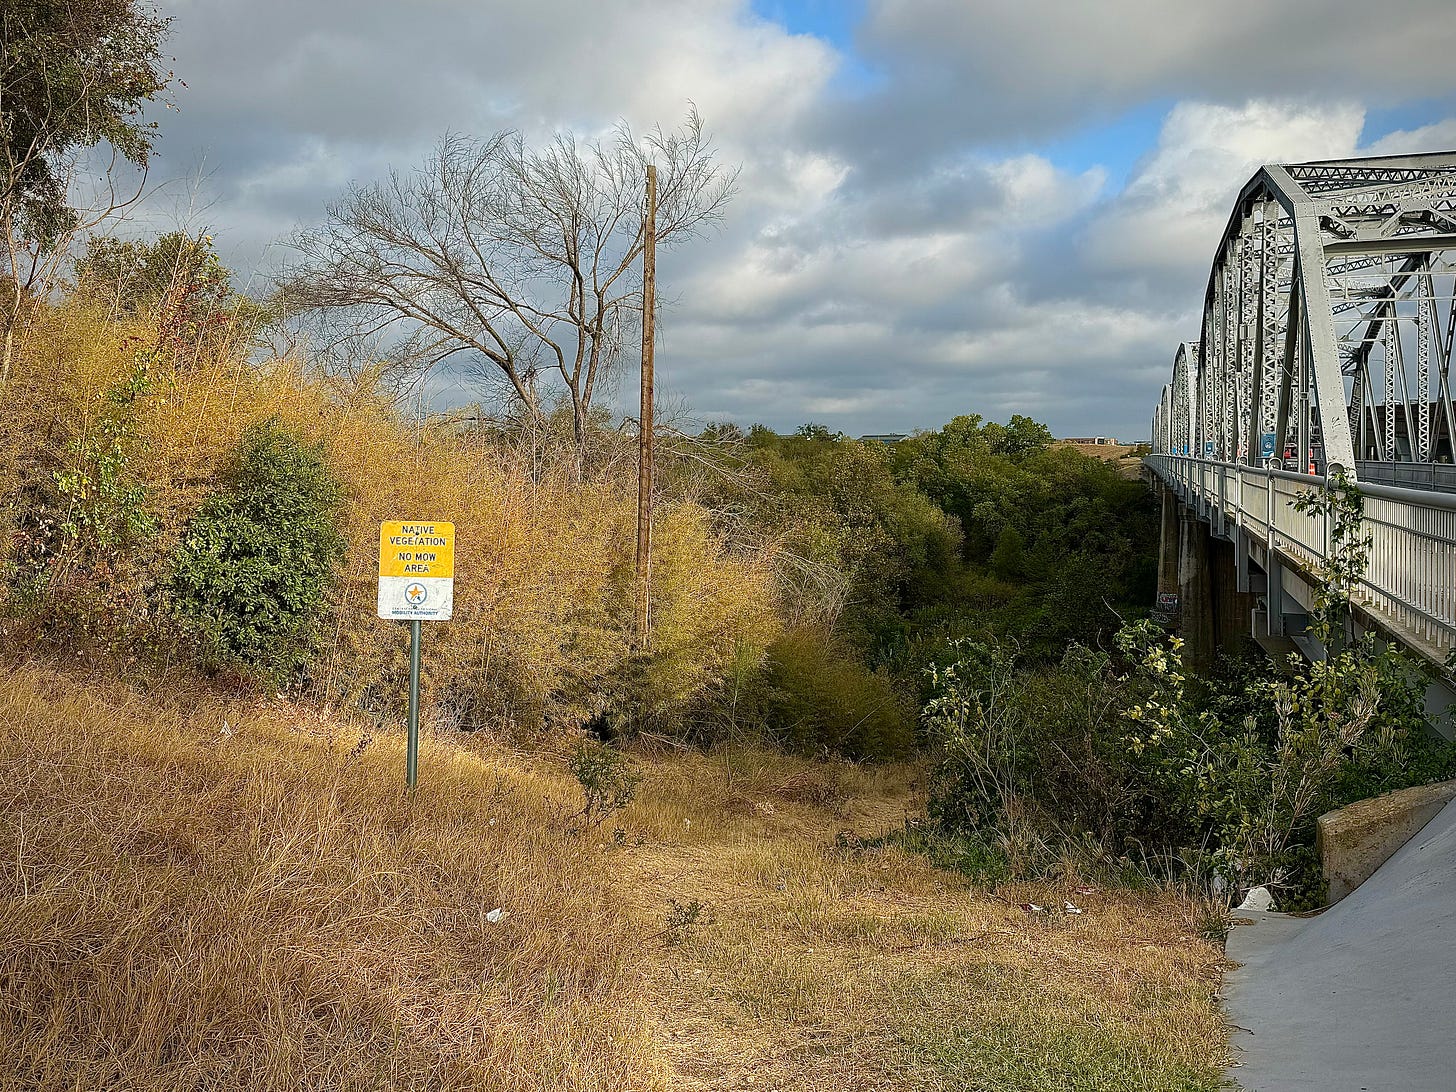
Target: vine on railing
<point>1346,555</point>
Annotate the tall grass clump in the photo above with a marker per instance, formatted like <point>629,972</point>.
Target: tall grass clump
<point>816,696</point>
<point>75,509</point>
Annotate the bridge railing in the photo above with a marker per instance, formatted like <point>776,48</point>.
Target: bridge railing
<point>1409,475</point>
<point>1410,581</point>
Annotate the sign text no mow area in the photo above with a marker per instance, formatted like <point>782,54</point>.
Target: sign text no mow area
<point>416,570</point>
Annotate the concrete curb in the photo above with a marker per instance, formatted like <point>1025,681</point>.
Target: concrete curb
<point>1356,840</point>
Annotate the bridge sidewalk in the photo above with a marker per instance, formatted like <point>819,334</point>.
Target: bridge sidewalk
<point>1356,998</point>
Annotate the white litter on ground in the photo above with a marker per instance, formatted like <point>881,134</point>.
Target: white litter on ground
<point>1258,898</point>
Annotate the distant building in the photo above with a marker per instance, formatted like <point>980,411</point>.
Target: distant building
<point>884,438</point>
<point>1092,441</point>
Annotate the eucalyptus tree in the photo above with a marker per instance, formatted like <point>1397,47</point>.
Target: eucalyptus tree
<point>521,259</point>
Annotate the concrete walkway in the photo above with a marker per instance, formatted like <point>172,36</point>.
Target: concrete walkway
<point>1361,997</point>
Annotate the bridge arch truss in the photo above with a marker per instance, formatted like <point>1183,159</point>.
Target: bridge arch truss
<point>1326,340</point>
<point>1328,324</point>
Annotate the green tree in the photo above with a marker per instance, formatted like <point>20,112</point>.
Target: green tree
<point>178,280</point>
<point>840,501</point>
<point>73,74</point>
<point>1018,438</point>
<point>1008,558</point>
<point>134,276</point>
<point>1064,535</point>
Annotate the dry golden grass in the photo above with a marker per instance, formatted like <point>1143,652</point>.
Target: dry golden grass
<point>544,596</point>
<point>208,893</point>
<point>200,890</point>
<point>821,963</point>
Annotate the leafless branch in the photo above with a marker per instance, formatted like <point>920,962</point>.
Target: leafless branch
<point>524,260</point>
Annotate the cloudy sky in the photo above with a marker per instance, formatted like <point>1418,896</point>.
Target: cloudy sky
<point>945,206</point>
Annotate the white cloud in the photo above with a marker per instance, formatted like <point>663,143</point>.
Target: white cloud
<point>1003,67</point>
<point>1038,194</point>
<point>1440,137</point>
<point>894,256</point>
<point>1173,210</point>
<point>289,102</point>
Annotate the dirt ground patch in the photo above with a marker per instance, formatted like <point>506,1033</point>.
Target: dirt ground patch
<point>209,890</point>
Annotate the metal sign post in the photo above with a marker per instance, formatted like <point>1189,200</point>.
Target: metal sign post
<point>412,747</point>
<point>416,583</point>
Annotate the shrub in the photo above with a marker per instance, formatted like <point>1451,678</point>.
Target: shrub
<point>542,635</point>
<point>816,696</point>
<point>1231,774</point>
<point>251,576</point>
<point>1330,733</point>
<point>608,779</point>
<point>1039,745</point>
<point>104,503</point>
<point>1232,771</point>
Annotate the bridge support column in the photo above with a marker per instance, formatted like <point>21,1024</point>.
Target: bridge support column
<point>1168,542</point>
<point>1274,596</point>
<point>1195,592</point>
<point>1233,610</point>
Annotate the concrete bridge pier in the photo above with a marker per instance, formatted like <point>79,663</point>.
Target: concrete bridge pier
<point>1233,603</point>
<point>1195,593</point>
<point>1168,543</point>
<point>1215,606</point>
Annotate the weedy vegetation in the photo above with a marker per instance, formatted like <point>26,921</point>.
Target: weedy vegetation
<point>1125,755</point>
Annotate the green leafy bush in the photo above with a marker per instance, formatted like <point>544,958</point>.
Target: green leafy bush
<point>817,696</point>
<point>1232,772</point>
<point>251,576</point>
<point>1327,734</point>
<point>1040,746</point>
<point>1324,735</point>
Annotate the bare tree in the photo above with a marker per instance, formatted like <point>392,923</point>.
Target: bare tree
<point>521,258</point>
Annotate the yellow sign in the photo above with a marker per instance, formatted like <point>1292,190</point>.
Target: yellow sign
<point>417,570</point>
<point>417,549</point>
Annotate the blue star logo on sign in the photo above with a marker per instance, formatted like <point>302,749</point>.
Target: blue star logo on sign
<point>415,595</point>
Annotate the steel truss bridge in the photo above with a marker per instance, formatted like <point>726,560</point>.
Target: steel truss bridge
<point>1326,346</point>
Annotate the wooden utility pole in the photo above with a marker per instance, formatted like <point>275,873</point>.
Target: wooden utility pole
<point>644,420</point>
